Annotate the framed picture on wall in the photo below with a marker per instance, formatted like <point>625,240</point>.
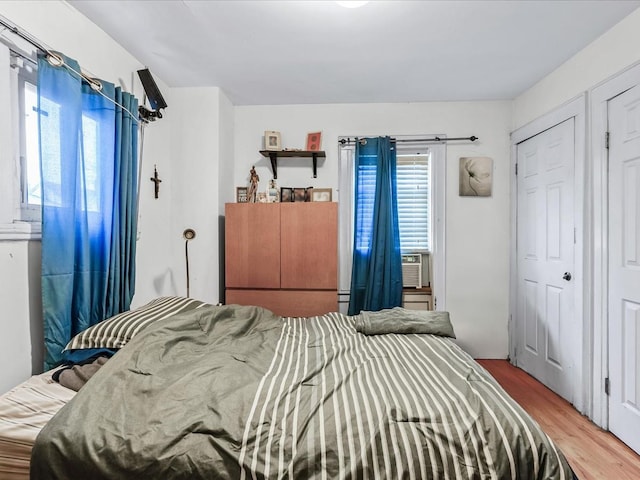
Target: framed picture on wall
<point>475,178</point>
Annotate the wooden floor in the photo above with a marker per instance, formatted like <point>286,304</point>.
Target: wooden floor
<point>593,453</point>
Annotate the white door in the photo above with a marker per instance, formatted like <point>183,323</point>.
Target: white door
<point>624,267</point>
<point>547,334</point>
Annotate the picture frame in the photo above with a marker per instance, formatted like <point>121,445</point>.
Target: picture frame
<point>262,197</point>
<point>272,140</point>
<point>241,194</point>
<point>273,194</point>
<point>314,141</point>
<point>321,195</point>
<point>286,194</point>
<point>475,176</point>
<point>299,194</point>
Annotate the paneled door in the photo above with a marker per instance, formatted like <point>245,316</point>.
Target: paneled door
<point>546,330</point>
<point>624,267</point>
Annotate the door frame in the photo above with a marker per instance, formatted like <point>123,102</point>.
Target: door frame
<point>575,108</point>
<point>600,96</point>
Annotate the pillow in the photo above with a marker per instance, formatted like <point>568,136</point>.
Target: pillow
<point>116,331</point>
<point>401,320</point>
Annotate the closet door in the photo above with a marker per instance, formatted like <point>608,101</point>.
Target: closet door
<point>252,245</point>
<point>309,246</point>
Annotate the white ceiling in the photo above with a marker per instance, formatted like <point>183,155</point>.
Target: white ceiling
<point>304,52</point>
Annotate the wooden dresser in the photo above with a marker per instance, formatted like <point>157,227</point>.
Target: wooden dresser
<point>282,256</point>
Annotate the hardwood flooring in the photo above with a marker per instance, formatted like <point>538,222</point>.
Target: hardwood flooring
<point>594,454</point>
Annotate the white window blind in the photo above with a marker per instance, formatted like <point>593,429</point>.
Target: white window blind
<point>413,195</point>
<point>414,202</point>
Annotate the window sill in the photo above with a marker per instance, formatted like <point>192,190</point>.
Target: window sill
<point>20,231</point>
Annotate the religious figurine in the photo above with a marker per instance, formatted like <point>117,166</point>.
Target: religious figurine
<point>156,180</point>
<point>253,185</point>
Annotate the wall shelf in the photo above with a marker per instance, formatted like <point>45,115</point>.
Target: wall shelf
<point>274,154</point>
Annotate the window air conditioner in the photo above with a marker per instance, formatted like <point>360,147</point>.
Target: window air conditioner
<point>412,270</point>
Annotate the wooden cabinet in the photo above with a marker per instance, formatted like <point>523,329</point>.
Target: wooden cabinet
<point>282,256</point>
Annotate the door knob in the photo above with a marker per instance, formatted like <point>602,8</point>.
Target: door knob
<point>566,276</point>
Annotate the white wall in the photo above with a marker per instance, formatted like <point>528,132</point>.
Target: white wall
<point>614,51</point>
<point>195,156</point>
<point>477,234</point>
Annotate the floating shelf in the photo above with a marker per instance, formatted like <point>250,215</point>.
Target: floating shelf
<point>274,154</point>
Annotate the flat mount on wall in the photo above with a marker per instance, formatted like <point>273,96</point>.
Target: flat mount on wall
<point>274,154</point>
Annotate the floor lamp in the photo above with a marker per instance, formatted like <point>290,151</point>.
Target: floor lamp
<point>188,234</point>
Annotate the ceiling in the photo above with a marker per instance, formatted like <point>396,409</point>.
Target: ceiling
<point>309,52</point>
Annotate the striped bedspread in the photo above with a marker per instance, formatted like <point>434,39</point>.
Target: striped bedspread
<point>236,392</point>
<point>24,410</point>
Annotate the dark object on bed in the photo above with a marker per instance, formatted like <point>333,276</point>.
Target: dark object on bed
<point>237,392</point>
<point>76,375</point>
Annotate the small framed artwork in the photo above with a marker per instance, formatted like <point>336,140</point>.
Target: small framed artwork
<point>299,194</point>
<point>262,197</point>
<point>273,194</point>
<point>272,140</point>
<point>286,194</point>
<point>321,195</point>
<point>241,194</point>
<point>476,174</point>
<point>314,140</point>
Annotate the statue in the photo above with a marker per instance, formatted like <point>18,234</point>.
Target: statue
<point>253,185</point>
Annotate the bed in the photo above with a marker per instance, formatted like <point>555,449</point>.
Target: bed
<point>24,410</point>
<point>237,392</point>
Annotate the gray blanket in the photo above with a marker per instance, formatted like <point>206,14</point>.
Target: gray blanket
<point>239,393</point>
<point>401,320</point>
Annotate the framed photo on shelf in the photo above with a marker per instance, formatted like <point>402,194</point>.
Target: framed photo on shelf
<point>299,194</point>
<point>314,140</point>
<point>286,194</point>
<point>272,140</point>
<point>321,195</point>
<point>241,194</point>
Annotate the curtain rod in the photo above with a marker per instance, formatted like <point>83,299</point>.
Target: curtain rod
<point>57,61</point>
<point>472,138</point>
<point>13,29</point>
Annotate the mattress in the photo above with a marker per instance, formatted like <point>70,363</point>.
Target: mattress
<point>24,410</point>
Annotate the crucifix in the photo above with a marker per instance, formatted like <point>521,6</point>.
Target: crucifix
<point>155,179</point>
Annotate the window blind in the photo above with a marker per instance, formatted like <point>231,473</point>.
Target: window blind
<point>414,209</point>
<point>413,191</point>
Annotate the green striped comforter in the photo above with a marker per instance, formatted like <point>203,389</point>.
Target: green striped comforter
<point>239,393</point>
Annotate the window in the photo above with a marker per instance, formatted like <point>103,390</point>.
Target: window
<point>413,196</point>
<point>421,204</point>
<point>414,202</point>
<point>30,191</point>
<point>23,118</point>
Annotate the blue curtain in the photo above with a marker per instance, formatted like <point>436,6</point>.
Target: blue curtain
<point>88,159</point>
<point>376,275</point>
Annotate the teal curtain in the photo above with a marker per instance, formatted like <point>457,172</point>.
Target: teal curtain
<point>88,164</point>
<point>376,275</point>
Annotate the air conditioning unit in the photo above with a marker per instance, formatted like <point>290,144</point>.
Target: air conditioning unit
<point>412,270</point>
